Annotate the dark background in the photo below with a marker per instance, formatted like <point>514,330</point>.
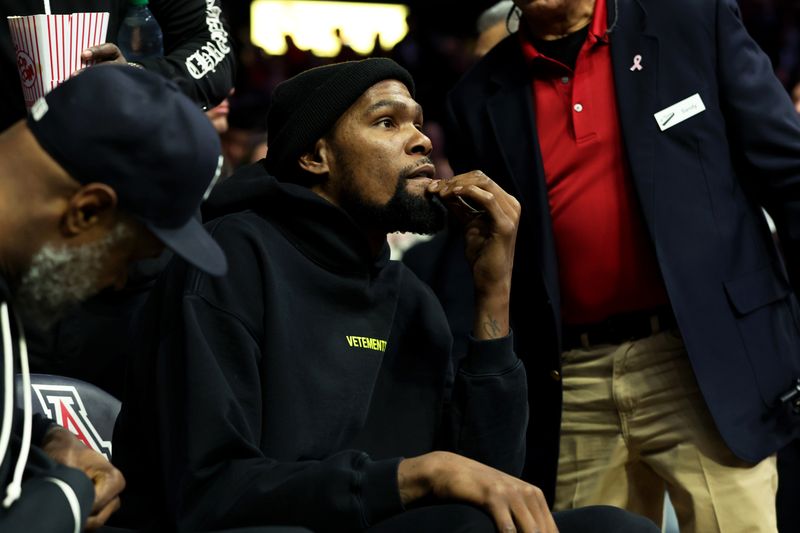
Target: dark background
<point>438,50</point>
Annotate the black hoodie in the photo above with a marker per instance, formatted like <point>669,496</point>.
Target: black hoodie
<point>53,498</point>
<point>288,391</point>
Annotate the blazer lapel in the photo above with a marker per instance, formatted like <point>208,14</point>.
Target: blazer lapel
<point>634,55</point>
<point>511,115</point>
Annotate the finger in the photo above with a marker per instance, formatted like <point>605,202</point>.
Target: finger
<point>510,206</point>
<point>525,520</point>
<point>549,522</point>
<point>500,219</point>
<point>476,196</point>
<point>503,519</point>
<point>466,185</point>
<point>94,52</point>
<point>469,207</point>
<point>537,504</point>
<point>96,520</point>
<point>483,181</point>
<point>107,486</point>
<point>459,205</point>
<point>103,52</point>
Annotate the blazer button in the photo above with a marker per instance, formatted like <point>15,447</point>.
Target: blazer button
<point>555,375</point>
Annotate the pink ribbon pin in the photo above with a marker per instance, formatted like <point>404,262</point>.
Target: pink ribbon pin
<point>637,63</point>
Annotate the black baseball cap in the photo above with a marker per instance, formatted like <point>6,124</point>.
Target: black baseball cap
<point>138,133</point>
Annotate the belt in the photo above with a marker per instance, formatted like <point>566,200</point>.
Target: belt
<point>617,329</point>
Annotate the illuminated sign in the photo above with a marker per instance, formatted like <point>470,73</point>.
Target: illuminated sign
<point>322,27</point>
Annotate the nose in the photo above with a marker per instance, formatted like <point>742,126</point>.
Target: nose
<point>419,143</point>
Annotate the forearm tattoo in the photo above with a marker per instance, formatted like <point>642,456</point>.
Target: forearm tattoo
<point>491,328</point>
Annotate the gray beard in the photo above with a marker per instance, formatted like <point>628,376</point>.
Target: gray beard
<point>60,277</point>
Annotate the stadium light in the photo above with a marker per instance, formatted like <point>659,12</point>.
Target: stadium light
<point>313,25</point>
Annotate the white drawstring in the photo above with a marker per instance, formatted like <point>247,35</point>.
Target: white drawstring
<point>8,381</point>
<point>14,489</point>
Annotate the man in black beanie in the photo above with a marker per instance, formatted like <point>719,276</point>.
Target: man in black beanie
<point>315,385</point>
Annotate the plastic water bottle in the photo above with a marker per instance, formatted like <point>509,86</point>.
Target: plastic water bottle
<point>140,35</point>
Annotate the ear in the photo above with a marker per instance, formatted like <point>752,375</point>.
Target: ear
<point>93,205</point>
<point>318,161</point>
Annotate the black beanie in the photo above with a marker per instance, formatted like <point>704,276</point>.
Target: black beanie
<point>304,108</point>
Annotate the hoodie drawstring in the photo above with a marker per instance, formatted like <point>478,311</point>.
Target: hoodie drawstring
<point>8,381</point>
<point>14,489</point>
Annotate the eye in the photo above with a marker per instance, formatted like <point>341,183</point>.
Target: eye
<point>386,122</point>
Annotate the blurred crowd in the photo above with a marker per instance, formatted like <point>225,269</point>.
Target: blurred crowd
<point>775,25</point>
<point>437,56</point>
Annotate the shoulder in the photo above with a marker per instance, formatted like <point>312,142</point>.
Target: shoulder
<point>240,224</point>
<point>245,238</point>
<point>677,15</point>
<point>241,235</point>
<point>491,69</point>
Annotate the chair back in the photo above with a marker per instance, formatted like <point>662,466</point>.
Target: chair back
<point>87,411</point>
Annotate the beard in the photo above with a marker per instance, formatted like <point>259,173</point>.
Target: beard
<point>404,212</point>
<point>60,277</point>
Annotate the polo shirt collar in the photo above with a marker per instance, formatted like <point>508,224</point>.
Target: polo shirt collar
<point>597,32</point>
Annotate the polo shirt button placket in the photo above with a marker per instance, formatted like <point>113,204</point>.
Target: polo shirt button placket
<point>578,107</point>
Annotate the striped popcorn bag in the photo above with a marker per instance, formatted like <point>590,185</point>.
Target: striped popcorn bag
<point>48,48</point>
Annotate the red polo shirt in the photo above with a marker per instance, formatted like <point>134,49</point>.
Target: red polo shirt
<point>606,260</point>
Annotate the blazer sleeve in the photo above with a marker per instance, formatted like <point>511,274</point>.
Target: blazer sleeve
<point>763,127</point>
<point>460,153</point>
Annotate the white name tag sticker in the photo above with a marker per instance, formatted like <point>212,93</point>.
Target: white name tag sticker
<point>677,113</point>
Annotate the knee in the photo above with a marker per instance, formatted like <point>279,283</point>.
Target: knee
<point>603,519</point>
<point>465,519</point>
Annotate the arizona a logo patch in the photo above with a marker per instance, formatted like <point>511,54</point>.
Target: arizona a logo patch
<point>63,405</point>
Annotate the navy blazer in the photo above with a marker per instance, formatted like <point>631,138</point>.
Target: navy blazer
<point>700,184</point>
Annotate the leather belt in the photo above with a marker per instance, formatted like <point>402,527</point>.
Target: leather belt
<point>617,329</point>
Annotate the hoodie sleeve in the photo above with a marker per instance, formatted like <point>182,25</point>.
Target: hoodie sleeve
<point>198,53</point>
<point>488,411</point>
<point>39,428</point>
<point>215,472</point>
<point>66,494</point>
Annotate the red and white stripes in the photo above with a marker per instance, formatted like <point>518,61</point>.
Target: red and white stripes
<point>49,48</point>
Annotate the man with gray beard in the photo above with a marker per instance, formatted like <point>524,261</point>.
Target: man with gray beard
<point>58,277</point>
<point>108,168</point>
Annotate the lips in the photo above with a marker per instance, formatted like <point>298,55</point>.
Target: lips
<point>423,171</point>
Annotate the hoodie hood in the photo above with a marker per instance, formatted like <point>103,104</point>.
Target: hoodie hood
<point>320,230</point>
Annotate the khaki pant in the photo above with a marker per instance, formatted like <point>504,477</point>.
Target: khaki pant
<point>634,424</point>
